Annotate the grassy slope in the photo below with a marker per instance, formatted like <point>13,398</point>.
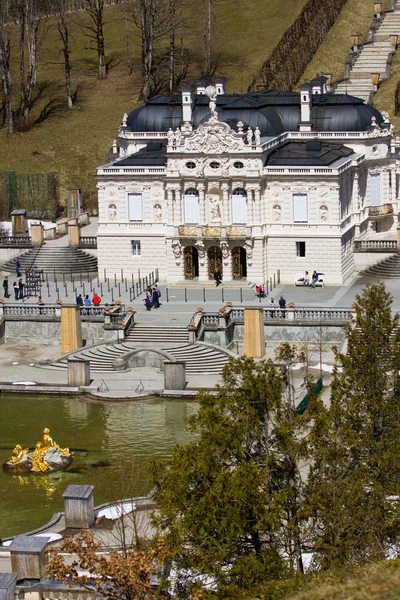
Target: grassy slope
<point>74,143</point>
<point>384,98</point>
<point>356,17</point>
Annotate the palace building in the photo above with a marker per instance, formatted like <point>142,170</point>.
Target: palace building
<point>246,184</point>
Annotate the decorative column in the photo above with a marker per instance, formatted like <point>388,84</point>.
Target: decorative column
<point>257,206</point>
<point>355,195</point>
<point>225,204</point>
<point>250,205</point>
<point>170,210</point>
<point>178,207</point>
<point>200,188</point>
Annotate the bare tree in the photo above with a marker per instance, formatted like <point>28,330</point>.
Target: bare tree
<point>95,32</point>
<point>5,6</point>
<point>151,18</point>
<point>62,12</point>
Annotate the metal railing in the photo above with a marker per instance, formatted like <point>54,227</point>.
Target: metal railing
<point>88,242</point>
<point>375,246</point>
<point>16,241</point>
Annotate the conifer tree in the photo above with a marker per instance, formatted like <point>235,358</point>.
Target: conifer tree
<point>229,501</point>
<point>355,477</point>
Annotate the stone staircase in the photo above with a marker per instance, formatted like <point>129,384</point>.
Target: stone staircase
<point>372,58</point>
<point>56,260</point>
<point>386,269</point>
<point>200,359</point>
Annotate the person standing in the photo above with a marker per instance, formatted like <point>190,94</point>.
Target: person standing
<point>272,304</point>
<point>5,287</point>
<point>18,268</point>
<point>282,306</point>
<point>87,301</point>
<point>16,290</point>
<point>79,300</point>
<point>21,289</point>
<point>156,303</point>
<point>147,302</point>
<point>218,278</point>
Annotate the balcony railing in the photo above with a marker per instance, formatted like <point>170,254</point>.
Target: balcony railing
<point>16,241</point>
<point>375,246</point>
<point>88,242</point>
<point>377,212</point>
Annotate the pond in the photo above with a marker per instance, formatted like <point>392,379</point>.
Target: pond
<point>100,435</point>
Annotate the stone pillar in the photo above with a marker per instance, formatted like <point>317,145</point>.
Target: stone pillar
<point>202,202</point>
<point>78,372</point>
<point>257,206</point>
<point>354,199</point>
<point>178,207</point>
<point>28,558</point>
<point>170,206</point>
<point>37,235</point>
<point>250,206</point>
<point>71,329</point>
<point>398,236</point>
<point>7,586</point>
<point>174,375</point>
<point>79,506</point>
<point>73,234</point>
<point>254,339</point>
<point>225,204</point>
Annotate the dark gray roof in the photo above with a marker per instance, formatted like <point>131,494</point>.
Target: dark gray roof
<point>78,491</point>
<point>154,154</point>
<point>272,111</point>
<point>311,153</point>
<point>28,543</point>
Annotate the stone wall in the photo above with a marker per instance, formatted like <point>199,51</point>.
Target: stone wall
<point>49,332</point>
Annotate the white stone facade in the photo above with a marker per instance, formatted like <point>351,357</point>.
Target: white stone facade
<point>216,189</point>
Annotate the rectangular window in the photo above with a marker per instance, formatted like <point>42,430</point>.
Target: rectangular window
<point>300,249</point>
<point>300,208</point>
<point>192,209</point>
<point>239,209</point>
<point>136,248</point>
<point>375,182</point>
<point>135,207</point>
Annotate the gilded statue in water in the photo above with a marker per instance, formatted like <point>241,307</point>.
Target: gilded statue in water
<point>45,458</point>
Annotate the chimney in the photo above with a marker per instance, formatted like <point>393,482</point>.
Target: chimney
<point>187,103</point>
<point>220,85</point>
<point>305,107</point>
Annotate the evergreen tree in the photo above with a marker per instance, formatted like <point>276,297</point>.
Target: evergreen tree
<point>230,501</point>
<point>355,477</point>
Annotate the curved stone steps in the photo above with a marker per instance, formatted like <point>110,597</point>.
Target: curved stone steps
<point>389,268</point>
<point>55,260</point>
<point>199,359</point>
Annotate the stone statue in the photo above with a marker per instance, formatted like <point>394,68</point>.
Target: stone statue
<point>277,212</point>
<point>257,136</point>
<point>240,126</point>
<point>216,213</point>
<point>157,213</point>
<point>323,213</point>
<point>211,92</point>
<point>125,120</point>
<point>249,136</point>
<point>47,457</point>
<point>112,212</point>
<point>178,136</point>
<point>171,137</point>
<point>176,248</point>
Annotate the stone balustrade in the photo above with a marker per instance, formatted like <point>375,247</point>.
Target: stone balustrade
<point>375,246</point>
<point>88,242</point>
<point>15,241</point>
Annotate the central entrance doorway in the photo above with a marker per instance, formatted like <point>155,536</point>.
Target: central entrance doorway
<point>239,263</point>
<point>214,261</point>
<point>191,262</point>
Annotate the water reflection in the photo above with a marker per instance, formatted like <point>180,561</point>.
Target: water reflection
<point>100,435</point>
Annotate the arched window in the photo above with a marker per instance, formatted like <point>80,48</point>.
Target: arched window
<point>192,206</point>
<point>239,206</point>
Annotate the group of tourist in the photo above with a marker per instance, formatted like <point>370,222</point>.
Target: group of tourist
<point>152,297</point>
<point>86,301</point>
<point>18,287</point>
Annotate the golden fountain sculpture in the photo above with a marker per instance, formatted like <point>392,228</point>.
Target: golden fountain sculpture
<point>45,458</point>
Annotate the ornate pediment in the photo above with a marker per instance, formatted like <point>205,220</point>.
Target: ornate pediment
<point>214,137</point>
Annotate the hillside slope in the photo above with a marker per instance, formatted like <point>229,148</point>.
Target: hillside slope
<point>73,143</point>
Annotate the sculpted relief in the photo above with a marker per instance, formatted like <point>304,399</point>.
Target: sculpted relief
<point>214,207</point>
<point>214,138</point>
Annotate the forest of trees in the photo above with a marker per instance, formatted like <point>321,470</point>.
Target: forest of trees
<point>162,26</point>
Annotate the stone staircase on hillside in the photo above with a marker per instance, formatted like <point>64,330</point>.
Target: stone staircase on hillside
<point>56,260</point>
<point>200,359</point>
<point>372,58</point>
<point>386,269</point>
